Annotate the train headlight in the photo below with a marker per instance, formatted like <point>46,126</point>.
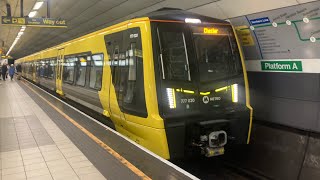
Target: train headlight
<point>192,20</point>
<point>235,93</point>
<point>171,98</point>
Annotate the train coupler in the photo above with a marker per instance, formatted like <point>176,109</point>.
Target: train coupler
<point>212,144</point>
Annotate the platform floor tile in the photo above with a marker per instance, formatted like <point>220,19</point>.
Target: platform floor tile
<point>32,146</point>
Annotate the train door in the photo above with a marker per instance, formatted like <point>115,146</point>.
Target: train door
<point>60,57</point>
<point>116,55</point>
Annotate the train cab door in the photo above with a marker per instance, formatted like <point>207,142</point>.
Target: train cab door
<point>116,56</point>
<point>60,57</point>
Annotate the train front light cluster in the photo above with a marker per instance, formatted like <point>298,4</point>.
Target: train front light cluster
<point>171,98</point>
<point>235,93</point>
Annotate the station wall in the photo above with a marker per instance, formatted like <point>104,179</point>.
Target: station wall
<point>281,49</point>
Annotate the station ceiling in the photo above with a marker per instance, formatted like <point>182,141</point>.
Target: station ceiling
<point>85,16</point>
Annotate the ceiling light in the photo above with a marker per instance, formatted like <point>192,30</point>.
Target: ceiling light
<point>37,5</point>
<point>32,14</point>
<point>20,33</point>
<point>191,20</point>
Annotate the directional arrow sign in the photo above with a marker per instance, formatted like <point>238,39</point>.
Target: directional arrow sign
<point>6,20</point>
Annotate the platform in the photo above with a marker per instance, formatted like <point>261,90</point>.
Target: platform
<point>44,138</point>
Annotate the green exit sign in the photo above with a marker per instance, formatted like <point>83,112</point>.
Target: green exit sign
<point>294,66</point>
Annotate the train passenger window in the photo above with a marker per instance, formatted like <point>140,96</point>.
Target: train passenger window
<point>51,68</point>
<point>46,68</point>
<point>26,68</point>
<point>174,54</point>
<point>81,69</point>
<point>132,72</point>
<point>68,70</point>
<point>114,66</point>
<point>96,70</point>
<point>30,69</point>
<point>41,68</point>
<point>38,65</point>
<point>134,95</point>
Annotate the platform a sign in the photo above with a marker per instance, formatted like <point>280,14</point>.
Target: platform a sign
<point>37,22</point>
<point>293,66</point>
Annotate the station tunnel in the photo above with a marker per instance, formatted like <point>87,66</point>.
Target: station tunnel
<point>271,84</point>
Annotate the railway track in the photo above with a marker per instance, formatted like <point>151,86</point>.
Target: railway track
<point>219,168</point>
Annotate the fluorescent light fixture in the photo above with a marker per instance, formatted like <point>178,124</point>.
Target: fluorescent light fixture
<point>32,14</point>
<point>20,33</point>
<point>192,20</point>
<point>38,5</point>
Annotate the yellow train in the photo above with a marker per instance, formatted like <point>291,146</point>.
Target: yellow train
<point>173,81</point>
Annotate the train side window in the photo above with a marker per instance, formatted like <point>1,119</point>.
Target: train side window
<point>38,65</point>
<point>134,95</point>
<point>51,68</point>
<point>96,71</point>
<point>117,55</point>
<point>81,69</point>
<point>68,70</point>
<point>41,67</point>
<point>46,62</point>
<point>30,69</point>
<point>26,68</point>
<point>115,66</point>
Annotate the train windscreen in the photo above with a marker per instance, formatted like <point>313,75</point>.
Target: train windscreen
<point>217,52</point>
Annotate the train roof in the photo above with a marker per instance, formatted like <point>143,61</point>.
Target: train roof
<point>169,14</point>
<point>172,14</point>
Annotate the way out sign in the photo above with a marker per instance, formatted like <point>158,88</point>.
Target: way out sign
<point>36,22</point>
<point>288,66</point>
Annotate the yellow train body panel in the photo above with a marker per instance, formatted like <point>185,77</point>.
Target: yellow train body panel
<point>141,130</point>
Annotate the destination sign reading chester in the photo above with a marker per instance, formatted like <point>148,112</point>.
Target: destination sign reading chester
<point>39,22</point>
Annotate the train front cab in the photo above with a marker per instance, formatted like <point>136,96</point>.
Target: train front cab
<point>202,87</point>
